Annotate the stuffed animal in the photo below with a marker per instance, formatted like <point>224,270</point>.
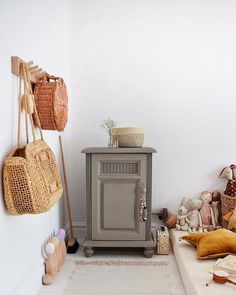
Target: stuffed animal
<point>233,167</point>
<point>182,219</point>
<point>216,197</point>
<point>231,218</point>
<point>206,212</point>
<point>226,173</point>
<point>195,220</point>
<point>229,173</point>
<point>232,221</point>
<point>214,205</point>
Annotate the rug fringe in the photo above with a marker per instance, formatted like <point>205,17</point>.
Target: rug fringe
<point>120,263</point>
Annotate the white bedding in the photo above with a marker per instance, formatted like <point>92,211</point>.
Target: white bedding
<point>195,273</point>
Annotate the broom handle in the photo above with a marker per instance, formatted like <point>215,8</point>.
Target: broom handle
<point>66,188</point>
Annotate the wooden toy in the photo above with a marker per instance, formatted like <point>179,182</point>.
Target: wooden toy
<point>63,244</point>
<point>56,254</point>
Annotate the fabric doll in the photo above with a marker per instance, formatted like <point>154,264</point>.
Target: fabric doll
<point>206,212</point>
<point>228,173</point>
<point>195,220</point>
<point>214,205</point>
<point>216,197</point>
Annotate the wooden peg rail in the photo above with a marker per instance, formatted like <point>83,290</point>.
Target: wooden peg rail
<point>34,71</point>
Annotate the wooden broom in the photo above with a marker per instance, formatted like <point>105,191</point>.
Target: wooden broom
<point>73,244</point>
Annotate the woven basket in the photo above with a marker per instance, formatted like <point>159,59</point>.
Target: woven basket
<point>129,136</point>
<point>31,180</point>
<point>228,204</point>
<point>30,174</point>
<point>51,102</point>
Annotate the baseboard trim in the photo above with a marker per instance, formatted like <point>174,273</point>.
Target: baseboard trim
<point>32,281</point>
<point>79,229</point>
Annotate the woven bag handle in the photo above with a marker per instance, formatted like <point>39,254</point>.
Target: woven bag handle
<point>34,104</point>
<point>20,99</point>
<point>46,78</point>
<point>19,110</point>
<point>27,90</point>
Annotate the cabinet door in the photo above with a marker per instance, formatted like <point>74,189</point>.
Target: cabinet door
<point>116,185</point>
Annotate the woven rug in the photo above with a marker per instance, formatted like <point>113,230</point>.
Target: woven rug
<point>119,277</point>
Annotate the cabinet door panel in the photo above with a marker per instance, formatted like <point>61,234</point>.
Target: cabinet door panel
<point>116,197</point>
<point>118,204</point>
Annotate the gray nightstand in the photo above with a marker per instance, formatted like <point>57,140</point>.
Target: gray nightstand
<point>118,198</point>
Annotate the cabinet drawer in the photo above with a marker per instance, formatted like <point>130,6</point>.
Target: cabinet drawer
<point>118,165</point>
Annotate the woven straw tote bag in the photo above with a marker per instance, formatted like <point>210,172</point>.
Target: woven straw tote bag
<point>51,102</point>
<point>31,178</point>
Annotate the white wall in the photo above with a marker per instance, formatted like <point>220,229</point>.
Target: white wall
<point>168,66</point>
<point>37,30</point>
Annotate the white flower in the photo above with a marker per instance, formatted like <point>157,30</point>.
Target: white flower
<point>108,125</point>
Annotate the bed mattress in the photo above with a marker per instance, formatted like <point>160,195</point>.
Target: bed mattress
<point>195,273</point>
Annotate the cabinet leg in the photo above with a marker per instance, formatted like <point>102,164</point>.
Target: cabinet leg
<point>88,251</point>
<point>148,252</point>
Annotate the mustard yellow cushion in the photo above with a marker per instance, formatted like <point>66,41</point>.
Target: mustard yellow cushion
<point>218,243</point>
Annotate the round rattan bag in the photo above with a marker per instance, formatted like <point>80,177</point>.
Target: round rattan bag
<point>51,102</point>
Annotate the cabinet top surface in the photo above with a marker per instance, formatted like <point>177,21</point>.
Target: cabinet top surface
<point>105,150</point>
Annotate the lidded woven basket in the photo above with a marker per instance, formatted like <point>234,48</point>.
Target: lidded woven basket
<point>129,136</point>
<point>51,100</point>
